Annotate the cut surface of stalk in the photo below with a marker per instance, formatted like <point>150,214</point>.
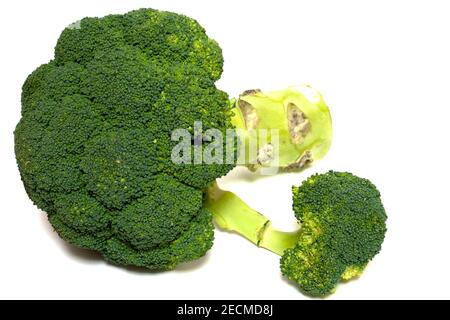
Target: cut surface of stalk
<point>286,129</point>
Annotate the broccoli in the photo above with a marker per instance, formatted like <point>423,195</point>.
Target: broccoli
<point>342,220</point>
<point>94,143</point>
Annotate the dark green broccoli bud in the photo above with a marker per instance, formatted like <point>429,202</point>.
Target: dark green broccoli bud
<point>159,218</point>
<point>82,212</point>
<point>343,224</point>
<point>94,143</point>
<point>190,245</point>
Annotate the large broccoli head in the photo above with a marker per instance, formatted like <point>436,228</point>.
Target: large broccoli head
<point>94,143</point>
<point>343,223</point>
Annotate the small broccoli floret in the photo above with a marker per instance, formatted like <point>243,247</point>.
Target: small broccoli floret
<point>189,245</point>
<point>343,217</point>
<point>343,224</point>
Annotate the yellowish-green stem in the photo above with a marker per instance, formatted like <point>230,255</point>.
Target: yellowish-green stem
<point>232,214</point>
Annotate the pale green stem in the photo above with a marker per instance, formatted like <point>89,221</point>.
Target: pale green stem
<point>233,214</point>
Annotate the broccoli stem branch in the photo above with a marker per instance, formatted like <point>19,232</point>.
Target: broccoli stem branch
<point>232,214</point>
<point>277,241</point>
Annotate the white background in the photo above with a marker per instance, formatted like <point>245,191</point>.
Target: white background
<point>383,68</point>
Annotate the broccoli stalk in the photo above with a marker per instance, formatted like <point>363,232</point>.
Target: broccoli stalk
<point>285,129</point>
<point>343,224</point>
<point>231,213</point>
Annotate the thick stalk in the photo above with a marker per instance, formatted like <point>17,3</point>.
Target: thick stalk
<point>286,129</point>
<point>237,119</point>
<point>245,135</point>
<point>233,214</point>
<point>277,241</point>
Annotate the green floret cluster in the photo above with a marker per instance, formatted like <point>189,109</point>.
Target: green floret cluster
<point>94,142</point>
<point>342,227</point>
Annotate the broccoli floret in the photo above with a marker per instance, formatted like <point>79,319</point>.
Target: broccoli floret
<point>94,143</point>
<point>343,218</point>
<point>343,224</point>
